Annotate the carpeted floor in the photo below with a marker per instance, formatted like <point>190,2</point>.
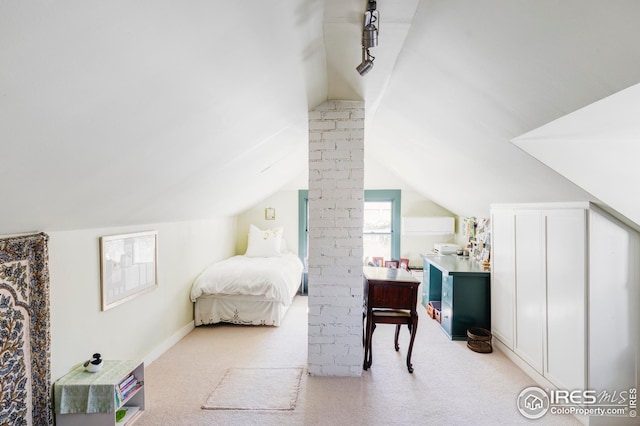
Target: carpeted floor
<point>451,385</point>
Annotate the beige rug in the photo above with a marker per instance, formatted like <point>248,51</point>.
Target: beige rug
<point>256,389</point>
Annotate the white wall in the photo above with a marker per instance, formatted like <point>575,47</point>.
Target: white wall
<point>597,148</point>
<point>411,246</point>
<point>286,204</point>
<point>377,176</point>
<point>137,328</point>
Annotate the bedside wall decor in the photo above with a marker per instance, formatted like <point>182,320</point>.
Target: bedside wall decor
<point>270,213</point>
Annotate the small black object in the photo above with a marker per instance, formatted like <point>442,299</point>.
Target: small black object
<point>95,360</point>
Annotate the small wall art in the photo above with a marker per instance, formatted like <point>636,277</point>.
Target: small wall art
<point>270,213</point>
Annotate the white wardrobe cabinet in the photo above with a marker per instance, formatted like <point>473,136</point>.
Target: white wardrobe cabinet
<point>564,294</point>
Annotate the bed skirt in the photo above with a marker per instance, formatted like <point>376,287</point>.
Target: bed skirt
<point>238,310</point>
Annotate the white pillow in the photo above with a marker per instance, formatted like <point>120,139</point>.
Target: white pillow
<point>283,247</point>
<point>265,243</point>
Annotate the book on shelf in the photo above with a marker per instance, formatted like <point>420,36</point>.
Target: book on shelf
<point>131,390</point>
<point>131,377</point>
<point>125,389</point>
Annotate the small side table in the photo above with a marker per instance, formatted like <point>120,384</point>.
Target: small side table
<point>82,398</point>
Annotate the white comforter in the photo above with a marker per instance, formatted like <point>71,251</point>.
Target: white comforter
<point>274,278</point>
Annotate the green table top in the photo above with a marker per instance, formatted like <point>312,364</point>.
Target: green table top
<point>82,392</point>
<point>453,264</point>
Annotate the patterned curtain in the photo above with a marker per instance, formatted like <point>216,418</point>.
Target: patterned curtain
<point>25,375</point>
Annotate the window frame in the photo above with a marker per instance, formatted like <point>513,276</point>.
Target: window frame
<point>392,195</point>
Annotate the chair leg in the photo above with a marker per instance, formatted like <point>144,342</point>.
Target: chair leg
<point>367,346</point>
<point>414,327</point>
<point>396,339</point>
<point>364,329</point>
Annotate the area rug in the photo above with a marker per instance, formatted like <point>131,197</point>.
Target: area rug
<point>25,388</point>
<point>256,389</point>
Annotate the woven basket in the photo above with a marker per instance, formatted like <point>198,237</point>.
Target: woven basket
<point>479,340</point>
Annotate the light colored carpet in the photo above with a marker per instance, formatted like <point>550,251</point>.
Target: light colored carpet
<point>256,389</point>
<point>450,385</point>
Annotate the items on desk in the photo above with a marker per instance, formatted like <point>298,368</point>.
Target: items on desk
<point>391,264</point>
<point>445,248</point>
<point>403,263</point>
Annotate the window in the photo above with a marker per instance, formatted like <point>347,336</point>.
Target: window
<point>381,234</point>
<point>303,235</point>
<point>376,239</point>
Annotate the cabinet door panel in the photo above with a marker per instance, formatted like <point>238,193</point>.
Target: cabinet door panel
<point>614,274</point>
<point>447,289</point>
<point>446,318</point>
<point>432,279</point>
<point>530,289</point>
<point>565,258</point>
<point>503,280</point>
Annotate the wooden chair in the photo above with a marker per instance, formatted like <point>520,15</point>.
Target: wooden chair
<point>390,316</point>
<point>389,301</point>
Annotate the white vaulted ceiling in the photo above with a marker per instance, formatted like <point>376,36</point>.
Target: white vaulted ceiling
<point>119,112</point>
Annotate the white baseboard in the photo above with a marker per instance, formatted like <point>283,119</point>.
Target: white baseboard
<point>167,344</point>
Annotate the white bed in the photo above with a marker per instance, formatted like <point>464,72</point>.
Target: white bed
<point>251,289</point>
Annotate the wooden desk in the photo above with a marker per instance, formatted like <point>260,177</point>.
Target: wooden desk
<point>387,290</point>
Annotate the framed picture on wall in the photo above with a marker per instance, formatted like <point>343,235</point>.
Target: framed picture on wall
<point>270,213</point>
<point>128,266</point>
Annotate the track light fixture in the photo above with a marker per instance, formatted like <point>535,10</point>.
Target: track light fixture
<point>369,37</point>
<point>367,62</point>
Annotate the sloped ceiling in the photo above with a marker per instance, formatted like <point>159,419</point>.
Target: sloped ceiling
<point>118,113</point>
<point>596,147</point>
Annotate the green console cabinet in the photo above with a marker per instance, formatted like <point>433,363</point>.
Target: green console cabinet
<point>463,288</point>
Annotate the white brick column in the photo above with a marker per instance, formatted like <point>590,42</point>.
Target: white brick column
<point>336,205</point>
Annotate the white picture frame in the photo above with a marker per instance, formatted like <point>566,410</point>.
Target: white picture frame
<point>270,213</point>
<point>128,266</point>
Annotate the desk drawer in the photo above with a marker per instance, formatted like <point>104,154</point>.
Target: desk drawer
<point>446,318</point>
<point>393,297</point>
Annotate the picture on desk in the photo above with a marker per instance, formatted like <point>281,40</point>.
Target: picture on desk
<point>391,264</point>
<point>378,261</point>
